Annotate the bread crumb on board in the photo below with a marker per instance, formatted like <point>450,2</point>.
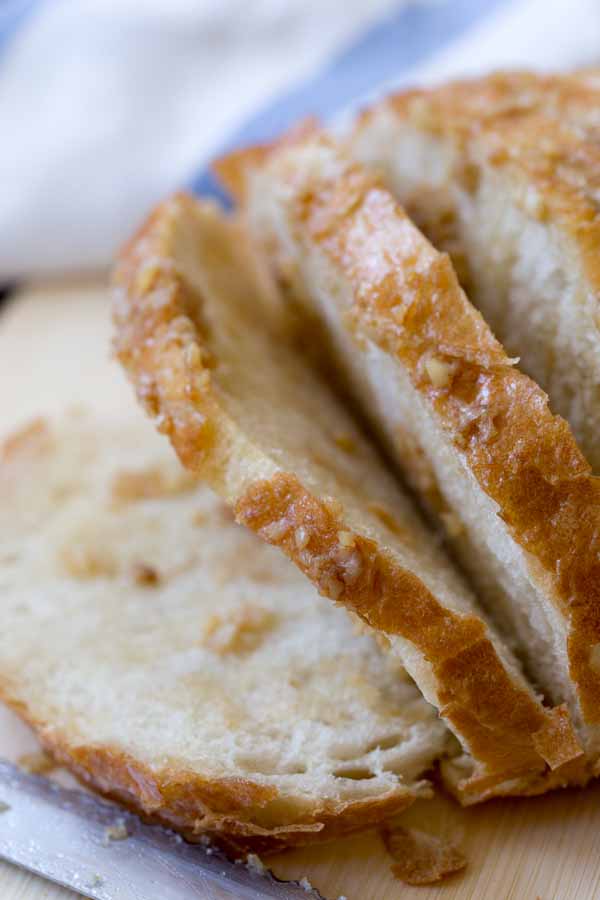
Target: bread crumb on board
<point>255,863</point>
<point>116,832</point>
<point>421,858</point>
<point>38,763</point>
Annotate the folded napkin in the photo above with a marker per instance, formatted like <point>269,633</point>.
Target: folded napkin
<point>107,105</point>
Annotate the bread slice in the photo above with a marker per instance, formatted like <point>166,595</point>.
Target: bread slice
<point>209,351</point>
<point>177,663</point>
<point>472,433</point>
<point>504,173</point>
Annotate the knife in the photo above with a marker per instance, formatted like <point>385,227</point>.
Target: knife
<point>101,851</point>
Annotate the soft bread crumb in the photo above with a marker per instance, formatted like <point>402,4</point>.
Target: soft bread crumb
<point>38,763</point>
<point>305,884</point>
<point>421,858</point>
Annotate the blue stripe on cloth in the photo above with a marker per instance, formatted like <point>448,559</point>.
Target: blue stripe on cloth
<point>388,49</point>
<point>13,14</point>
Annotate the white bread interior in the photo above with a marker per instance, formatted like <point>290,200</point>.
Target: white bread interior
<point>175,661</point>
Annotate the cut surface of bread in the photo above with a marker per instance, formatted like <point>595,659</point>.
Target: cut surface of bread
<point>181,665</point>
<point>472,433</point>
<point>503,172</point>
<point>208,348</point>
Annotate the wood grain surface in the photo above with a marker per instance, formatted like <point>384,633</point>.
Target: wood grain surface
<point>54,351</point>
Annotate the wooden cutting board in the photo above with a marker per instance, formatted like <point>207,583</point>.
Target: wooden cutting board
<point>54,351</point>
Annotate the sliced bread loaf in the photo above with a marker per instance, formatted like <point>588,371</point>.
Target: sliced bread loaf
<point>472,433</point>
<point>504,173</point>
<point>177,663</point>
<point>207,345</point>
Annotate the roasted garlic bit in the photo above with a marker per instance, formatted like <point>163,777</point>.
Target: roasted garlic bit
<point>301,537</point>
<point>240,632</point>
<point>145,575</point>
<point>146,278</point>
<point>346,538</point>
<point>438,371</point>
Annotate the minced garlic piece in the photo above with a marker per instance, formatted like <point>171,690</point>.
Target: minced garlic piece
<point>145,278</point>
<point>438,371</point>
<point>301,537</point>
<point>346,538</point>
<point>192,355</point>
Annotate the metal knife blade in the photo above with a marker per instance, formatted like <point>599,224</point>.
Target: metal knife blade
<point>73,838</point>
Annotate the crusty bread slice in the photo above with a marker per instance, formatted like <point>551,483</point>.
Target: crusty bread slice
<point>207,347</point>
<point>179,664</point>
<point>504,173</point>
<point>473,434</point>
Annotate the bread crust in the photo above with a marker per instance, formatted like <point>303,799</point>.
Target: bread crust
<point>540,130</point>
<point>513,736</point>
<point>194,806</point>
<point>406,297</point>
<point>531,127</point>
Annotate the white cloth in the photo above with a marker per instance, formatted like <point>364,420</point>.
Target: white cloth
<point>106,105</point>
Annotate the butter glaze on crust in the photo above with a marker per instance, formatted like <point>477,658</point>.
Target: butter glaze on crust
<point>510,732</point>
<point>108,635</point>
<point>404,296</point>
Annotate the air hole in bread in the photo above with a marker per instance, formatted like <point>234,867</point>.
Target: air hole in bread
<point>355,773</point>
<point>384,743</point>
<point>265,765</point>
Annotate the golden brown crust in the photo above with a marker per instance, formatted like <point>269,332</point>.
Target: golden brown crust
<point>505,727</point>
<point>511,735</point>
<point>195,806</point>
<point>406,297</point>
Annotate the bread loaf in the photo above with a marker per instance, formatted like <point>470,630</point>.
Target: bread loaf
<point>472,433</point>
<point>208,346</point>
